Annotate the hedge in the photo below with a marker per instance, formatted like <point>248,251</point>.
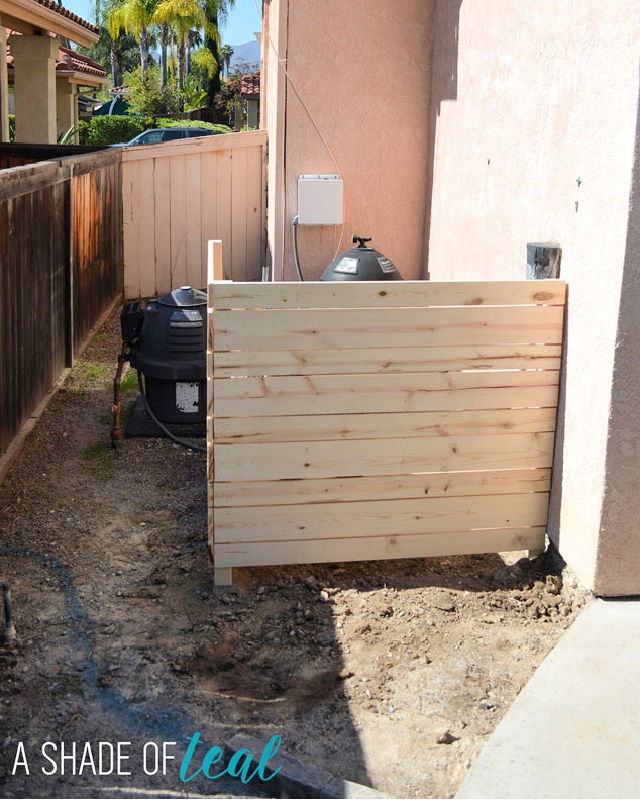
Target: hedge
<point>112,129</point>
<point>163,122</point>
<point>115,128</point>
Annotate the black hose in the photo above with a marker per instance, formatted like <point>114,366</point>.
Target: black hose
<point>294,237</point>
<point>162,427</point>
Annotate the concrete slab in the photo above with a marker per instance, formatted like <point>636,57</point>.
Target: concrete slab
<point>574,730</point>
<point>296,779</point>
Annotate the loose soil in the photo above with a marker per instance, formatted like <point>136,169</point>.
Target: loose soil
<point>392,674</point>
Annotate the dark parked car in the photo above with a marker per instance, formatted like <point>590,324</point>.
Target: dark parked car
<point>156,135</point>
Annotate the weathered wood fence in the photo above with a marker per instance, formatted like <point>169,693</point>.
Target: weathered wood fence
<point>179,194</point>
<point>60,269</point>
<point>355,421</point>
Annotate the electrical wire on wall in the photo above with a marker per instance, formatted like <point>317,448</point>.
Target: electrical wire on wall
<point>294,222</point>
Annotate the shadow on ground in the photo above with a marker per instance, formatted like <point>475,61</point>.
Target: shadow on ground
<point>390,674</point>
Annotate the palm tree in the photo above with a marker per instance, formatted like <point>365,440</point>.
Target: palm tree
<point>194,41</point>
<point>215,12</point>
<point>136,17</point>
<point>226,53</point>
<point>182,16</point>
<point>165,33</point>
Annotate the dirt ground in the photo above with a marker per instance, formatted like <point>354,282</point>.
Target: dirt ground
<point>392,674</point>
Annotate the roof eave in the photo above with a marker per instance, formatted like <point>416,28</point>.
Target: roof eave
<point>82,79</point>
<point>46,18</point>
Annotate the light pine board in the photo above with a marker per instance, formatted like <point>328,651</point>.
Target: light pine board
<point>377,517</point>
<point>365,294</point>
<point>391,487</point>
<point>343,394</point>
<point>331,328</point>
<point>313,427</point>
<point>322,459</point>
<point>398,359</point>
<point>378,547</point>
<point>363,421</point>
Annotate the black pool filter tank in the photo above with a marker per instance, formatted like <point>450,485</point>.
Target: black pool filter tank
<point>361,263</point>
<point>167,342</point>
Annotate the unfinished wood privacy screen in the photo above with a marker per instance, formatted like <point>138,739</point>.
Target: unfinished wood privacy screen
<point>353,421</point>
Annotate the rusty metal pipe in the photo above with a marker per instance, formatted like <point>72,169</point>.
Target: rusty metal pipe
<point>117,434</point>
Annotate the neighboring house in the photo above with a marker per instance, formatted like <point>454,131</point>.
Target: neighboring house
<point>463,130</point>
<point>250,98</point>
<point>86,106</point>
<point>37,57</point>
<point>73,71</point>
<point>117,105</point>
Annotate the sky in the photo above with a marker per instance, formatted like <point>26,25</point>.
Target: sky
<point>243,20</point>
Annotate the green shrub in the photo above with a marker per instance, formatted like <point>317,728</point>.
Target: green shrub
<point>83,131</point>
<point>162,122</point>
<point>12,127</point>
<point>112,129</point>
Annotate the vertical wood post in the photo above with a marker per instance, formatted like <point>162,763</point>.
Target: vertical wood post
<point>214,261</point>
<point>543,263</point>
<point>4,87</point>
<point>221,576</point>
<point>70,327</point>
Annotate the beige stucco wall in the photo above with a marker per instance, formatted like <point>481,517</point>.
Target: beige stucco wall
<point>618,562</point>
<point>533,126</point>
<point>66,106</point>
<point>367,87</point>
<point>35,88</point>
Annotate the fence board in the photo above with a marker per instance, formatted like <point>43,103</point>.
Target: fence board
<point>364,421</point>
<point>162,226</point>
<point>239,210</point>
<point>60,253</point>
<point>321,459</point>
<point>389,327</point>
<point>312,427</point>
<point>373,518</point>
<point>338,394</point>
<point>377,547</point>
<point>96,203</point>
<point>401,359</point>
<point>209,187</point>
<point>195,264</point>
<point>444,484</point>
<point>408,294</point>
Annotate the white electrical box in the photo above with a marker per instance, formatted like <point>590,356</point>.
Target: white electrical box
<point>320,200</point>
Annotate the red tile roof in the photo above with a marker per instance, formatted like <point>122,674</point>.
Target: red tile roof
<point>68,61</point>
<point>250,85</point>
<point>60,9</point>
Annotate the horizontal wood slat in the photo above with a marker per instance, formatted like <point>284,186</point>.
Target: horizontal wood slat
<point>359,421</point>
<point>398,359</point>
<point>251,462</point>
<point>318,551</point>
<point>378,517</point>
<point>337,394</point>
<point>392,487</point>
<point>417,294</point>
<point>389,327</point>
<point>383,426</point>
